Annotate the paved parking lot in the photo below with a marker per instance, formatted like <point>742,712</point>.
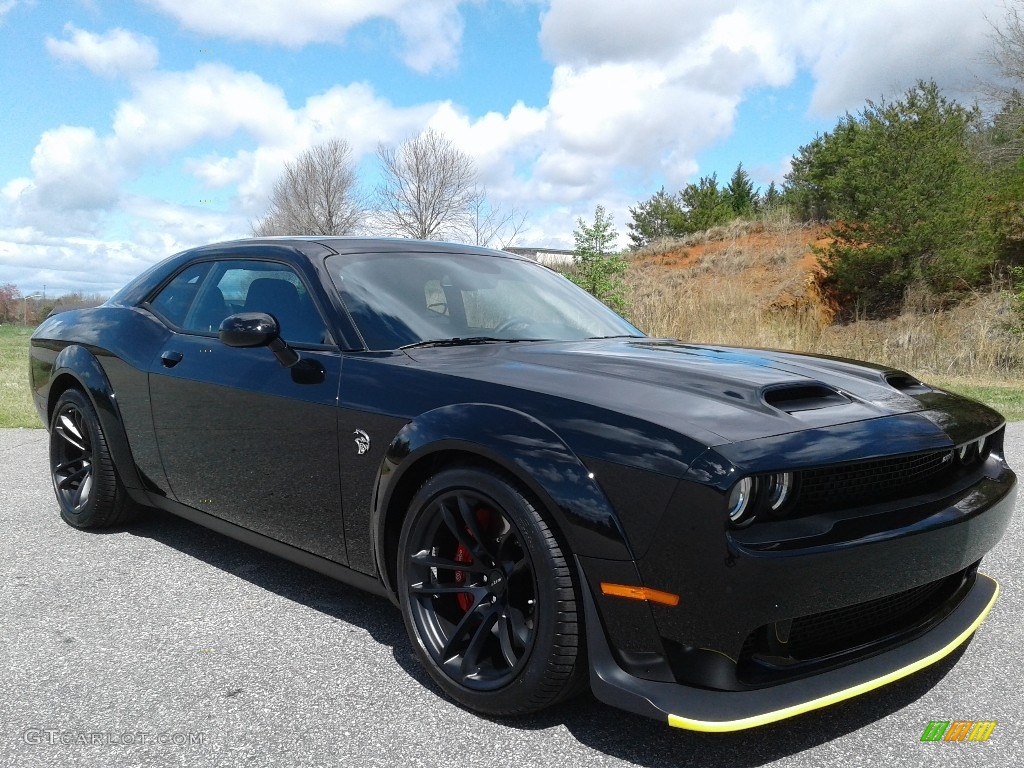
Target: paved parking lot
<point>166,645</point>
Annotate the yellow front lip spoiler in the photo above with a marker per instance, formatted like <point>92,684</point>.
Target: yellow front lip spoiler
<point>721,726</point>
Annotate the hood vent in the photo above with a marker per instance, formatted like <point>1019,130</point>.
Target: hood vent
<point>803,397</point>
<point>906,384</point>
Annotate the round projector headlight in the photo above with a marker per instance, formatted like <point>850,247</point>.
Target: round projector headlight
<point>739,500</point>
<point>779,488</point>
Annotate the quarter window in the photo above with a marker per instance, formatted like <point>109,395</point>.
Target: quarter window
<point>176,298</point>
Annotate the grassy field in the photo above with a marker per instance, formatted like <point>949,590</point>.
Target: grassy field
<point>1005,397</point>
<point>16,408</point>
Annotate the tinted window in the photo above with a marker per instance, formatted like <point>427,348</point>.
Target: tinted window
<point>204,294</point>
<point>176,298</point>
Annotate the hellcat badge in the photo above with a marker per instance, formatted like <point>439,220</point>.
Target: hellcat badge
<point>362,441</point>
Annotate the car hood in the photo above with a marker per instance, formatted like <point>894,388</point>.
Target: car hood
<point>714,394</point>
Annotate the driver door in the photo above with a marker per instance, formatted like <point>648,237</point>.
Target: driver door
<point>241,437</point>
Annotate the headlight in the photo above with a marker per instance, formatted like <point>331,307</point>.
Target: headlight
<point>739,501</point>
<point>779,487</point>
<point>759,494</point>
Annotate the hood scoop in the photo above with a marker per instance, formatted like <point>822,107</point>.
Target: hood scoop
<point>906,383</point>
<point>803,397</point>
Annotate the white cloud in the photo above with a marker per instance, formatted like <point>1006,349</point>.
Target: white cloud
<point>6,6</point>
<point>637,94</point>
<point>431,30</point>
<point>855,51</point>
<point>880,49</point>
<point>172,110</point>
<point>118,53</point>
<point>33,259</point>
<point>583,32</point>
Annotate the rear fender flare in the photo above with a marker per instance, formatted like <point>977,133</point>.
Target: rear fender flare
<point>80,364</point>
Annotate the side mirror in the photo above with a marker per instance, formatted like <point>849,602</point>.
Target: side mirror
<point>249,329</point>
<point>257,329</point>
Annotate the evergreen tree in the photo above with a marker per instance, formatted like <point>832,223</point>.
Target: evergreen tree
<point>740,193</point>
<point>597,267</point>
<point>657,217</point>
<point>706,205</point>
<point>907,194</point>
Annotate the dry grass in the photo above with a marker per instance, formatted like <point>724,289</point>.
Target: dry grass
<point>752,285</point>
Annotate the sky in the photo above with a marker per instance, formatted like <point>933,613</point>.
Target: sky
<point>133,129</point>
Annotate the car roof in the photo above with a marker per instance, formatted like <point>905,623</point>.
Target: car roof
<point>352,244</point>
<point>313,247</point>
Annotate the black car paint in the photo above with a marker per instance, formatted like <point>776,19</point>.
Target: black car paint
<point>630,445</point>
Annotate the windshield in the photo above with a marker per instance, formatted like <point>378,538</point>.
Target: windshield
<point>410,298</point>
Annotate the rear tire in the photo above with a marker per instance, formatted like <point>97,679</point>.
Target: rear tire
<point>488,596</point>
<point>89,492</point>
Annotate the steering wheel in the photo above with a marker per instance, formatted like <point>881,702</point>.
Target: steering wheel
<point>513,322</point>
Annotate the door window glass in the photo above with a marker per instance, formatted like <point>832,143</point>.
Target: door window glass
<point>176,298</point>
<point>203,294</point>
<point>257,286</point>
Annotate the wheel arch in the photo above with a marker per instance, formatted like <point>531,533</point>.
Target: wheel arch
<point>78,368</point>
<point>509,442</point>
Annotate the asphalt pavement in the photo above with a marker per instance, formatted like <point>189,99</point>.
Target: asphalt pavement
<point>164,644</point>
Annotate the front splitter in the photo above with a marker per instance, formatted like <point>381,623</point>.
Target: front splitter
<point>700,709</point>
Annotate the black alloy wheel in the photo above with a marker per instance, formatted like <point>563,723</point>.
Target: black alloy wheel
<point>487,595</point>
<point>89,492</point>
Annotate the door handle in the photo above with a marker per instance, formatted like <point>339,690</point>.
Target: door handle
<point>171,358</point>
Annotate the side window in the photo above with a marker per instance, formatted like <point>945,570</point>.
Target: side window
<point>256,286</point>
<point>176,298</point>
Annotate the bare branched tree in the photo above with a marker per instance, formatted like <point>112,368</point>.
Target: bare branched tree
<point>490,224</point>
<point>427,188</point>
<point>1004,143</point>
<point>1008,38</point>
<point>316,195</point>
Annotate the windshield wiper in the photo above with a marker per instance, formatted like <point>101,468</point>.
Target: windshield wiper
<point>457,341</point>
<point>465,341</point>
<point>617,336</point>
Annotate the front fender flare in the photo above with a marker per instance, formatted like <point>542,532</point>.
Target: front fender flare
<point>81,364</point>
<point>523,446</point>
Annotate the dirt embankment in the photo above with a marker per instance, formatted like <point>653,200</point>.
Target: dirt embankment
<point>775,264</point>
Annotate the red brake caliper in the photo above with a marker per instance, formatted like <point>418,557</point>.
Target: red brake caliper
<point>483,518</point>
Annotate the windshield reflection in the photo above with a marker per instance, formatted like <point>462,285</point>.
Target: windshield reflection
<point>397,300</point>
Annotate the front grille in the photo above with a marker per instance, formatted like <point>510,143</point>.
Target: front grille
<point>868,482</point>
<point>775,652</point>
<point>823,634</point>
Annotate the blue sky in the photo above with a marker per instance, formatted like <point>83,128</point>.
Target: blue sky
<point>132,130</point>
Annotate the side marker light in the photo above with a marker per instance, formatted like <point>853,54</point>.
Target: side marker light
<point>639,593</point>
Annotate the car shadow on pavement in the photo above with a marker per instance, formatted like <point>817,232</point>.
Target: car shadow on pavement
<point>647,742</point>
<point>617,733</point>
<point>374,614</point>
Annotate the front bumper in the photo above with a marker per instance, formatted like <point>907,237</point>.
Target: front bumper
<point>717,711</point>
<point>781,618</point>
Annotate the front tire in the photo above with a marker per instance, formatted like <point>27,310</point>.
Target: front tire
<point>488,596</point>
<point>89,492</point>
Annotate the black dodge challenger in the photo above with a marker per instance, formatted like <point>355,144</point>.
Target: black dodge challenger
<point>711,536</point>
